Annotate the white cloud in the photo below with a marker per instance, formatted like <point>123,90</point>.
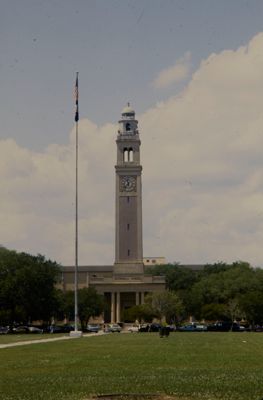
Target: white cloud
<point>37,209</point>
<point>176,73</point>
<point>211,137</point>
<point>202,175</point>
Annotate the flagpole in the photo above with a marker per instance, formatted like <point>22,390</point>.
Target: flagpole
<point>76,332</point>
<point>76,235</point>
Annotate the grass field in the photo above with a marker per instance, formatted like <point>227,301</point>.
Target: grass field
<point>189,366</point>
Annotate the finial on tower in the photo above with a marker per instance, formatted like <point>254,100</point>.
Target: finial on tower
<point>128,110</point>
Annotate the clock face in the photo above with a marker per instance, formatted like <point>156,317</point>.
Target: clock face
<point>128,183</point>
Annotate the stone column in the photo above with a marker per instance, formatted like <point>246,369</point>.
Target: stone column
<point>137,302</point>
<point>118,308</point>
<point>112,318</point>
<point>142,297</point>
<point>87,279</point>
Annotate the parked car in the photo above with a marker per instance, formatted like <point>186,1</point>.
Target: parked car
<point>34,329</point>
<point>172,328</point>
<point>193,328</point>
<point>258,328</point>
<point>93,328</point>
<point>4,330</point>
<point>133,328</point>
<point>113,328</point>
<point>54,329</point>
<point>226,326</point>
<point>144,328</point>
<point>60,328</point>
<point>20,329</point>
<point>67,328</point>
<point>154,327</point>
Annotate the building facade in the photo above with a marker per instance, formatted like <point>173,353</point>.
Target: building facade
<point>125,283</point>
<point>151,261</point>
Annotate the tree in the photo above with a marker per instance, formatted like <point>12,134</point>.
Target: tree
<point>27,287</point>
<point>64,305</point>
<point>233,310</point>
<point>166,305</point>
<point>178,278</point>
<point>213,293</point>
<point>215,268</point>
<point>252,305</point>
<point>213,311</point>
<point>142,312</point>
<point>90,304</point>
<point>222,285</point>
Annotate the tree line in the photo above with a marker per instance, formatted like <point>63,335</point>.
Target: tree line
<point>220,291</point>
<point>28,292</point>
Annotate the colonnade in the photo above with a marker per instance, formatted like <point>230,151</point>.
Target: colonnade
<point>116,304</point>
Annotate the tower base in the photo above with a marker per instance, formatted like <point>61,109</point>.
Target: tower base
<point>128,268</point>
<point>75,334</point>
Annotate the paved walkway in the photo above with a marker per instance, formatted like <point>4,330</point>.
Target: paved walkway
<point>55,339</point>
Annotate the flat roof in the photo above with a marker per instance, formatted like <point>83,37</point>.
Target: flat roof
<point>88,268</point>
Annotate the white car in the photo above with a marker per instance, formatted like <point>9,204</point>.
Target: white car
<point>113,328</point>
<point>133,328</point>
<point>34,329</point>
<point>93,328</point>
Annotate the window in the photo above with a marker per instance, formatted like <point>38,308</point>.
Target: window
<point>128,227</point>
<point>128,126</point>
<point>125,155</point>
<point>129,252</point>
<point>128,199</point>
<point>130,154</point>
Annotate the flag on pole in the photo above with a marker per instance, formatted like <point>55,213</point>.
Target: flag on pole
<point>77,98</point>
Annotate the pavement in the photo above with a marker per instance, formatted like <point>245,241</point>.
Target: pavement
<point>56,339</point>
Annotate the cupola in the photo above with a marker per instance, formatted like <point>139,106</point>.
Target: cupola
<point>128,124</point>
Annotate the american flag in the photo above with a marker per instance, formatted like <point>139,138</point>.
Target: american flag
<point>77,98</point>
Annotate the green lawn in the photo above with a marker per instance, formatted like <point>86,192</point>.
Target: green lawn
<point>207,366</point>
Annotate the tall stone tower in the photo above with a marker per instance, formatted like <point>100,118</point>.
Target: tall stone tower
<point>128,239</point>
<point>123,284</point>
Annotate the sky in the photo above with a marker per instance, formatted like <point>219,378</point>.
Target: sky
<point>193,72</point>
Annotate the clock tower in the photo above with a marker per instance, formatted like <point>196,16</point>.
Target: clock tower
<point>123,284</point>
<point>128,225</point>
